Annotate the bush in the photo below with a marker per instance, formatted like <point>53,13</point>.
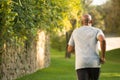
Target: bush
<point>58,42</point>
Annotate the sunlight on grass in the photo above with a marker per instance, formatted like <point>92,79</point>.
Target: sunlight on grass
<point>63,69</point>
<point>110,74</point>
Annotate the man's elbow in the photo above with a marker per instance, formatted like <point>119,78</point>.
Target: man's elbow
<point>103,41</point>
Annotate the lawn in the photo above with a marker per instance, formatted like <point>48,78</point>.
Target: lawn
<point>63,69</point>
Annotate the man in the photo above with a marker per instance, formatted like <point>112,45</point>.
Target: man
<point>85,41</point>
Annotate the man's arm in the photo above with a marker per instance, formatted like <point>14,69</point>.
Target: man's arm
<point>102,41</point>
<point>70,49</point>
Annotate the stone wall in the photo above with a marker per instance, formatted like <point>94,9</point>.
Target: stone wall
<point>17,60</point>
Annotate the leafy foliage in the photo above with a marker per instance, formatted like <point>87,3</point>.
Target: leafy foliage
<point>112,12</point>
<point>58,42</point>
<point>66,12</point>
<point>7,17</point>
<point>21,19</point>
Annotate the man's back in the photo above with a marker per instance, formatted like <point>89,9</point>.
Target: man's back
<point>85,41</point>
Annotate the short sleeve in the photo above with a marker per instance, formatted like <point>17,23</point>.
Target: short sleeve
<point>71,41</point>
<point>100,32</point>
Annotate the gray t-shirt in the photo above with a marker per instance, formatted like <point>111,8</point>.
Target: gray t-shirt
<point>84,39</point>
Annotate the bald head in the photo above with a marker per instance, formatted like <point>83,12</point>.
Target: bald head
<point>86,19</point>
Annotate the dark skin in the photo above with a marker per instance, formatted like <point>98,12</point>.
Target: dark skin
<point>103,48</point>
<point>87,21</point>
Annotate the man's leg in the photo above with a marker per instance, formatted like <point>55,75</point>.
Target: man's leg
<point>82,74</point>
<point>93,73</point>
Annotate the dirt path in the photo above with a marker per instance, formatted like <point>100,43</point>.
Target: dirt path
<point>112,43</point>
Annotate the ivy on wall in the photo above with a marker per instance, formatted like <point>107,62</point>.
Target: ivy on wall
<point>21,19</point>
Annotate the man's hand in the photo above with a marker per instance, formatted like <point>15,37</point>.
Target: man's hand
<point>70,49</point>
<point>102,60</point>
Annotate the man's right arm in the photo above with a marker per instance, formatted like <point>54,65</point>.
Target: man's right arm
<point>70,49</point>
<point>102,41</point>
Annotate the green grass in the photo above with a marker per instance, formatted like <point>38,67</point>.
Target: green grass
<point>111,70</point>
<point>63,69</point>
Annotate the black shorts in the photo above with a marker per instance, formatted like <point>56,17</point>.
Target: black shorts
<point>88,73</point>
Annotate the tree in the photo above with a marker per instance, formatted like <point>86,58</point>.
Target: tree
<point>112,18</point>
<point>65,13</point>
